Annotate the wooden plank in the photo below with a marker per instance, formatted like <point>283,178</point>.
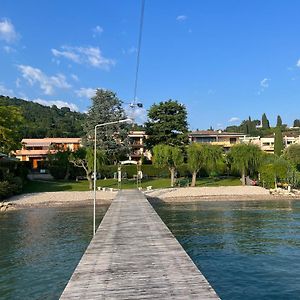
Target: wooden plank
<point>135,256</point>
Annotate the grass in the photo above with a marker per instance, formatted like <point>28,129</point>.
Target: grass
<point>55,186</point>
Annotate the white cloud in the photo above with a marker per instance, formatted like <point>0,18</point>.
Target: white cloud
<point>5,91</point>
<point>58,103</point>
<point>265,83</point>
<point>97,30</point>
<point>298,63</point>
<point>8,49</point>
<point>85,55</point>
<point>74,77</point>
<point>233,119</point>
<point>181,18</point>
<point>46,83</point>
<point>139,115</point>
<point>7,31</point>
<point>86,92</point>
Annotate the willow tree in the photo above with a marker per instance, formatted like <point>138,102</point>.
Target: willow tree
<point>84,158</point>
<point>202,156</point>
<point>168,156</point>
<point>245,159</point>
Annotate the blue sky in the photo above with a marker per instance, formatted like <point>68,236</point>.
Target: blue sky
<point>225,60</point>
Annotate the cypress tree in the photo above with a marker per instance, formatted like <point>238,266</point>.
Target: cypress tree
<point>279,121</point>
<point>278,143</point>
<point>297,123</point>
<point>265,122</point>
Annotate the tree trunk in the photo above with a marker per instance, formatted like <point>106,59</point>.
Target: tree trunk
<point>194,178</point>
<point>172,171</point>
<point>89,178</point>
<point>243,178</point>
<point>67,173</point>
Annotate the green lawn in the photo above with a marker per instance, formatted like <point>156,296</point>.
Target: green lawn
<point>53,186</point>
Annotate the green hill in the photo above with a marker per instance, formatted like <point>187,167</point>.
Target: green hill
<point>44,121</point>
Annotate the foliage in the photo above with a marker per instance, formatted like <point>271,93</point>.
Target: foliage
<point>59,165</point>
<point>279,121</point>
<point>11,121</point>
<point>84,158</point>
<point>107,107</point>
<point>168,156</point>
<point>203,156</point>
<point>276,170</point>
<point>245,158</point>
<point>265,122</point>
<point>296,123</point>
<point>43,121</point>
<point>292,153</point>
<point>167,124</point>
<point>278,143</point>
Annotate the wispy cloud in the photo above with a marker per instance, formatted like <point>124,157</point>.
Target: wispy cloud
<point>86,92</point>
<point>264,84</point>
<point>233,120</point>
<point>74,77</point>
<point>298,63</point>
<point>7,31</point>
<point>97,31</point>
<point>91,56</point>
<point>58,103</point>
<point>181,18</point>
<point>47,83</point>
<point>6,91</point>
<point>139,115</point>
<point>8,49</point>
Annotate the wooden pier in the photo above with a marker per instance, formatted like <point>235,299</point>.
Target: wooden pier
<point>135,256</point>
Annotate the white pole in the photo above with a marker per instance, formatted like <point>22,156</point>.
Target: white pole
<point>95,171</point>
<point>95,164</point>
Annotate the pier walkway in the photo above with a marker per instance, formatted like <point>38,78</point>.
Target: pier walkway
<point>134,256</point>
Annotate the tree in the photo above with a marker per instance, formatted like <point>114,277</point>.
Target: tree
<point>59,164</point>
<point>292,153</point>
<point>107,107</point>
<point>265,122</point>
<point>278,143</point>
<point>167,124</point>
<point>202,156</point>
<point>168,156</point>
<point>11,121</point>
<point>279,121</point>
<point>195,159</point>
<point>84,158</point>
<point>245,158</point>
<point>296,123</point>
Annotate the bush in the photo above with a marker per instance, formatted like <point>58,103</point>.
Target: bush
<point>5,189</point>
<point>57,171</point>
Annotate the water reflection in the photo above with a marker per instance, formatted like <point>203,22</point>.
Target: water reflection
<point>247,250</point>
<point>39,249</point>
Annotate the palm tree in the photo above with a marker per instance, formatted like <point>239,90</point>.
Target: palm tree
<point>245,158</point>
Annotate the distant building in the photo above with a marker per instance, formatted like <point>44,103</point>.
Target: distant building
<point>137,143</point>
<point>36,150</point>
<point>267,143</point>
<point>221,138</point>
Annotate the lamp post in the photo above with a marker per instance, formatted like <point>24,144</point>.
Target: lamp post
<point>95,162</point>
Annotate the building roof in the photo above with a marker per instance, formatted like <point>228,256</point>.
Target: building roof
<point>33,152</point>
<point>215,133</point>
<point>48,141</point>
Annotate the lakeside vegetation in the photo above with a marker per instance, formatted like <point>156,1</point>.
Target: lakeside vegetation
<point>60,185</point>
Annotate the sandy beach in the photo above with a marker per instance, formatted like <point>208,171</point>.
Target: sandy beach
<point>170,195</point>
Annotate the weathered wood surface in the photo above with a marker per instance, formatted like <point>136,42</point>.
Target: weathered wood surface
<point>134,256</point>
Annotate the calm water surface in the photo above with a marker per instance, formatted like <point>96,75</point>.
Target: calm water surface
<point>247,250</point>
<point>40,248</point>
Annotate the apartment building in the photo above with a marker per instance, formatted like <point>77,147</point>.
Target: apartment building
<point>137,143</point>
<point>36,150</point>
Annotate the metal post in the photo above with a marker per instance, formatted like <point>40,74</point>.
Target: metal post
<point>95,171</point>
<point>95,164</point>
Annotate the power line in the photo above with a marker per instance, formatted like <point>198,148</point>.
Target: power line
<point>139,51</point>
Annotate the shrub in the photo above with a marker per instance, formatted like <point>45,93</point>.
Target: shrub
<point>5,190</point>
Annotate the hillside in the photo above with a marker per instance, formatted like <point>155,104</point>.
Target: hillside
<point>44,121</point>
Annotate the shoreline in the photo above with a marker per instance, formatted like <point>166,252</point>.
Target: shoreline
<point>170,195</point>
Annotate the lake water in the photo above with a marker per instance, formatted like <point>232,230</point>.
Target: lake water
<point>247,250</point>
<point>40,248</point>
